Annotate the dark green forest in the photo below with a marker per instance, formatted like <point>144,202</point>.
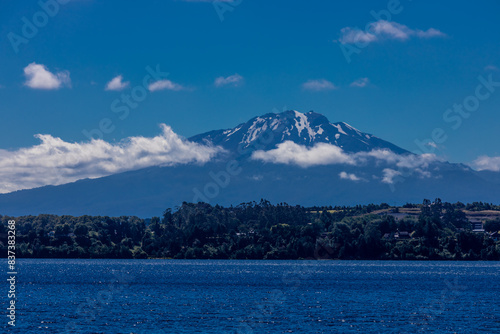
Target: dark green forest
<point>434,231</point>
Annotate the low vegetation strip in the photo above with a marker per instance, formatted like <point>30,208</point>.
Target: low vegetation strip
<point>428,231</point>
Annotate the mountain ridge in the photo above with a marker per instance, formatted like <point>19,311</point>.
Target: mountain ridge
<point>302,128</point>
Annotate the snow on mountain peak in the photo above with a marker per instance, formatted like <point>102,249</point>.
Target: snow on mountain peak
<point>307,129</point>
<point>352,128</point>
<point>339,129</point>
<point>301,123</point>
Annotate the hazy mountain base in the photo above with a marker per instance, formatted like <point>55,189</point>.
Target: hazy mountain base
<point>147,192</point>
<point>263,231</point>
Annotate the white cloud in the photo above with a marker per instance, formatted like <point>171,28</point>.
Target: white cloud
<point>391,30</point>
<point>355,35</point>
<point>381,30</point>
<point>318,85</point>
<point>39,77</point>
<point>289,152</point>
<point>486,163</point>
<point>429,33</point>
<point>55,161</point>
<point>348,176</point>
<point>360,83</point>
<point>117,84</point>
<point>390,175</point>
<point>431,144</point>
<point>234,80</point>
<point>165,85</point>
<point>410,161</point>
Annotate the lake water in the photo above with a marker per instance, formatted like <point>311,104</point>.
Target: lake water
<point>201,296</point>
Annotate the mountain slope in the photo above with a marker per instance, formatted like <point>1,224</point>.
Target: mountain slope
<point>371,171</point>
<point>265,132</point>
<point>148,192</point>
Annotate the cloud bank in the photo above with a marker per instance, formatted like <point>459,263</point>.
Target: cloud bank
<point>55,161</point>
<point>39,77</point>
<point>290,153</point>
<point>487,163</point>
<point>385,30</point>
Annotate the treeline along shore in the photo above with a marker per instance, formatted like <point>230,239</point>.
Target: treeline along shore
<point>429,231</point>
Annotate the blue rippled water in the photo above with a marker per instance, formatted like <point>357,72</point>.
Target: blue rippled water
<point>202,296</point>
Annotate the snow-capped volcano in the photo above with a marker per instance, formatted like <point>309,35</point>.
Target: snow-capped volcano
<point>293,157</point>
<point>267,131</point>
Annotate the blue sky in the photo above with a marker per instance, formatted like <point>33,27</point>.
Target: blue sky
<point>263,56</point>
